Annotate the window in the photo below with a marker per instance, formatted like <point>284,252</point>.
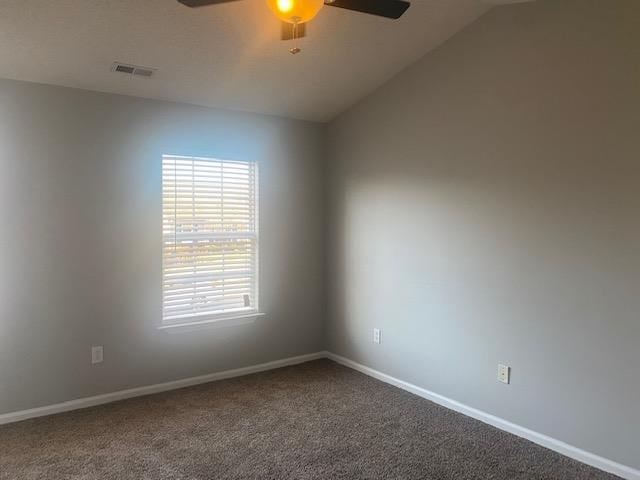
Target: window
<point>209,239</point>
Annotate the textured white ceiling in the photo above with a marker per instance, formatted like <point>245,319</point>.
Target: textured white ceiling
<point>227,55</point>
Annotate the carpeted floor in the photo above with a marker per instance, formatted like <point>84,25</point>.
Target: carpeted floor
<point>317,420</point>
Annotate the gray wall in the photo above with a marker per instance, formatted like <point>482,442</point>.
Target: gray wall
<point>80,241</point>
<point>485,208</point>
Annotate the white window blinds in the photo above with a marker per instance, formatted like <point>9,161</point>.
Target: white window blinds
<point>209,238</point>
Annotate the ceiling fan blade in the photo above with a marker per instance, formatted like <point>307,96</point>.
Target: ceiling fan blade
<point>202,3</point>
<point>382,8</point>
<point>287,31</point>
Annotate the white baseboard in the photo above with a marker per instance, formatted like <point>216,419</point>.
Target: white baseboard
<point>596,461</point>
<point>149,389</point>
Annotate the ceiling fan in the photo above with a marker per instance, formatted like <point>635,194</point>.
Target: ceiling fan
<point>296,13</point>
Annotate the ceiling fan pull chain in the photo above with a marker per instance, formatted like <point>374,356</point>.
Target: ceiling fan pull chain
<point>295,49</point>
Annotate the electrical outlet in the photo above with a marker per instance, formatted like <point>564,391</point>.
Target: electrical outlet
<point>504,373</point>
<point>376,335</point>
<point>97,354</point>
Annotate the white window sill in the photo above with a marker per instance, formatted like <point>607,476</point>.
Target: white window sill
<point>231,321</point>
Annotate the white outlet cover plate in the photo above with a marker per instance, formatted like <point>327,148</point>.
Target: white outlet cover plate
<point>376,335</point>
<point>97,354</point>
<point>504,373</point>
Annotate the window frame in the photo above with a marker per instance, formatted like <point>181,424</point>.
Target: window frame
<point>229,317</point>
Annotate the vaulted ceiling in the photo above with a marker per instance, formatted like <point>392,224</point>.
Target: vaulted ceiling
<point>227,55</point>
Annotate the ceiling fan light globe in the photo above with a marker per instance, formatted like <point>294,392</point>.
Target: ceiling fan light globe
<point>295,11</point>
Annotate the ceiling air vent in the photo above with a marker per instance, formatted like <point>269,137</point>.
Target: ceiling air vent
<point>132,69</point>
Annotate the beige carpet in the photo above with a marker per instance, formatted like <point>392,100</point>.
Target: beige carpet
<point>317,420</point>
